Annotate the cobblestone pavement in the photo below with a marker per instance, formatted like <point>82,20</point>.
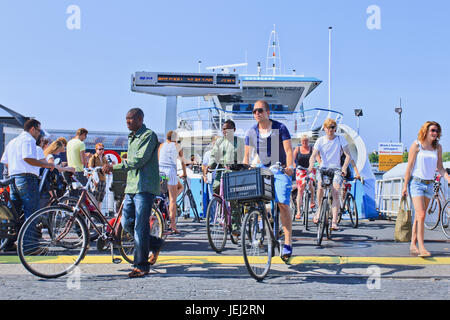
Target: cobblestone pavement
<point>215,281</point>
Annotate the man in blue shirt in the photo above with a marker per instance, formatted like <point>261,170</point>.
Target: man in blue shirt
<point>270,142</point>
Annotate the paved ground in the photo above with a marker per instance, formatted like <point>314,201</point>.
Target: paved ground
<point>363,263</point>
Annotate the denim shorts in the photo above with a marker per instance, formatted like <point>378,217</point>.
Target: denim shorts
<point>283,188</point>
<point>420,189</point>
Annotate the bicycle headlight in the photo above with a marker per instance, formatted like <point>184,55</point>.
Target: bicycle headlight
<point>326,180</point>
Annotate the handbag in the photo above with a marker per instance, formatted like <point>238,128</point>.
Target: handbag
<point>403,227</point>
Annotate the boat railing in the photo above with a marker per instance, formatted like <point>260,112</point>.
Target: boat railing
<point>212,118</point>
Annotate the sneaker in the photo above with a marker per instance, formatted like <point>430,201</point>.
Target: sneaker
<point>287,252</point>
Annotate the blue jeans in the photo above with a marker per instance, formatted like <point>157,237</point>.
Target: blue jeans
<point>25,195</point>
<point>136,221</point>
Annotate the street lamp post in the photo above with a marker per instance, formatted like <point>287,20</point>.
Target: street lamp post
<point>358,114</point>
<point>399,110</point>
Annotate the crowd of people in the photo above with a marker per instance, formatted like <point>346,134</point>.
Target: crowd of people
<point>266,143</point>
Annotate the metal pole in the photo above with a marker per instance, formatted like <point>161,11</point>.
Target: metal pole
<point>329,68</point>
<point>400,127</point>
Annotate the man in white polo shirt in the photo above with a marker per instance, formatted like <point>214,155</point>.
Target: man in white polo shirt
<point>21,158</point>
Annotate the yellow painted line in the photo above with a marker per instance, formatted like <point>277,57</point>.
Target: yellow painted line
<point>239,260</point>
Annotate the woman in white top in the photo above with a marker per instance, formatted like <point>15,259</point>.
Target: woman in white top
<point>424,158</point>
<point>168,154</point>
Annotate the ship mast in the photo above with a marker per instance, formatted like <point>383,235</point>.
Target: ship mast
<point>273,59</point>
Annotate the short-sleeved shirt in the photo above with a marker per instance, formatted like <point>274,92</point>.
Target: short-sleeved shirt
<point>20,148</point>
<point>269,148</point>
<point>330,151</point>
<point>74,147</point>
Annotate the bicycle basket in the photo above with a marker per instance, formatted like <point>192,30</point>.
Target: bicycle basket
<point>255,184</point>
<point>327,176</point>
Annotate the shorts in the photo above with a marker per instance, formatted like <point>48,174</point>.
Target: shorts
<point>99,191</point>
<point>337,178</point>
<point>171,173</point>
<point>283,188</point>
<point>300,176</point>
<point>420,189</point>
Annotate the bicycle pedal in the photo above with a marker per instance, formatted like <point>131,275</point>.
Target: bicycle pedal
<point>116,260</point>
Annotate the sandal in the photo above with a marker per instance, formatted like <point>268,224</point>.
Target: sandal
<point>137,273</point>
<point>315,219</point>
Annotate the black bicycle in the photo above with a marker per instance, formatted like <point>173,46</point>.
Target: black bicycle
<point>181,202</point>
<point>325,215</point>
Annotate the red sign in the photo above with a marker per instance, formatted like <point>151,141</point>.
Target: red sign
<point>112,156</point>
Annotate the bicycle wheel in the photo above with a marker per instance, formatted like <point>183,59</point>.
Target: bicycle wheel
<point>216,225</point>
<point>307,198</point>
<point>322,221</point>
<point>256,245</point>
<point>432,213</point>
<point>48,242</point>
<point>352,209</point>
<point>293,204</point>
<point>193,206</point>
<point>445,219</point>
<point>126,240</point>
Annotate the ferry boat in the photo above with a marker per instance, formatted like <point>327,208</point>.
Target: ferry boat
<point>285,95</point>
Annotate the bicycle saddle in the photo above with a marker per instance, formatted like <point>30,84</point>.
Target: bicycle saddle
<point>6,182</point>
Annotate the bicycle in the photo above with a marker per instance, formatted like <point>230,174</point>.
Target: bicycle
<point>218,219</point>
<point>9,229</point>
<point>325,215</point>
<point>60,231</point>
<point>307,195</point>
<point>433,212</point>
<point>187,192</point>
<point>260,232</point>
<point>445,218</point>
<point>348,206</point>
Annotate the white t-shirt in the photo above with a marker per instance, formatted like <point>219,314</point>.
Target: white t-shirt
<point>19,148</point>
<point>168,155</point>
<point>330,151</point>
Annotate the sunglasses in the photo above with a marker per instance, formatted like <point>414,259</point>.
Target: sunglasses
<point>100,149</point>
<point>434,130</point>
<point>332,127</point>
<point>258,110</point>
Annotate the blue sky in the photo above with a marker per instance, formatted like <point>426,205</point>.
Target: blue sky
<point>81,78</point>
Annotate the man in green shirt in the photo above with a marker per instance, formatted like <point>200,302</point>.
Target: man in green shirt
<point>142,186</point>
<point>228,152</point>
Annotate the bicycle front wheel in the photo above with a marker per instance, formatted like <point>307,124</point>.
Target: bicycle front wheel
<point>445,219</point>
<point>432,213</point>
<point>256,245</point>
<point>126,240</point>
<point>352,209</point>
<point>322,221</point>
<point>216,225</point>
<point>52,242</point>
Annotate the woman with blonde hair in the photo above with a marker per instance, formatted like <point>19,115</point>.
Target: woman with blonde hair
<point>424,159</point>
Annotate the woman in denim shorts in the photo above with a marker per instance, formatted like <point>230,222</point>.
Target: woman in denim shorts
<point>424,159</point>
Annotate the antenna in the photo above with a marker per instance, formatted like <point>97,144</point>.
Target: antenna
<point>329,68</point>
<point>226,68</point>
<point>273,59</point>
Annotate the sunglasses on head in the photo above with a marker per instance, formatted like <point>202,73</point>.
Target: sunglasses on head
<point>258,110</point>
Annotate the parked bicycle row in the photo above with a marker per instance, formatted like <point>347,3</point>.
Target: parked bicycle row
<point>251,194</point>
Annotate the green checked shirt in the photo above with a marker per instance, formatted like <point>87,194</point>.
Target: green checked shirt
<point>142,162</point>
